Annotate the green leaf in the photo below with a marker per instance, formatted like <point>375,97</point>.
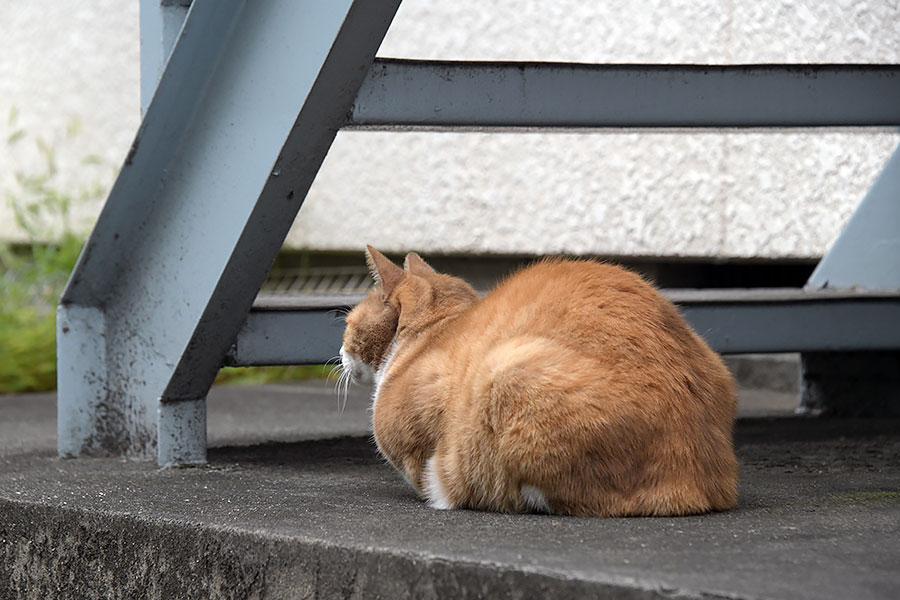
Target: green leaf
<point>14,137</point>
<point>74,127</point>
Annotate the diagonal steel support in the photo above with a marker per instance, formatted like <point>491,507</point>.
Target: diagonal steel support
<point>244,114</point>
<point>161,22</point>
<point>865,256</point>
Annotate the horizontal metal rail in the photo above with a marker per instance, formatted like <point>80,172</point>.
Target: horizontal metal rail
<point>307,329</point>
<point>429,95</point>
<point>735,321</point>
<point>287,329</point>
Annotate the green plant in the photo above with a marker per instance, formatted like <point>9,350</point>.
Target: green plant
<point>257,375</point>
<point>33,273</point>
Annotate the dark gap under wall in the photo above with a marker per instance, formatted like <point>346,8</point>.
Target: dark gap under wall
<point>484,271</point>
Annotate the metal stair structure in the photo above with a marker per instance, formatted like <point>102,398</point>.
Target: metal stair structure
<point>242,115</point>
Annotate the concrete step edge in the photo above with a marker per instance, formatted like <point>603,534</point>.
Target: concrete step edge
<point>48,550</point>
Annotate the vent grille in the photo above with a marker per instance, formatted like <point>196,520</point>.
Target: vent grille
<point>318,280</point>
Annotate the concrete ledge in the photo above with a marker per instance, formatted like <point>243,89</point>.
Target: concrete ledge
<point>160,560</point>
<point>291,506</point>
<point>818,519</point>
<point>56,552</point>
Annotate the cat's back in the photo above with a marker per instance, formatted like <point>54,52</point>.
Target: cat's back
<point>590,324</point>
<point>585,383</point>
<point>567,282</point>
<point>582,301</point>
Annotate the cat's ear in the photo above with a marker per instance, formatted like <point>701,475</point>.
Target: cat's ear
<point>416,266</point>
<point>383,270</point>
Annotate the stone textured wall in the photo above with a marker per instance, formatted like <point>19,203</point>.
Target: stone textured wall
<point>771,195</point>
<point>72,72</point>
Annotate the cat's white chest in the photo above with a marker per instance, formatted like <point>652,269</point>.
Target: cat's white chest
<point>381,375</point>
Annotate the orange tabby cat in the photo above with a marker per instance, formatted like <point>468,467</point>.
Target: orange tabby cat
<point>572,388</point>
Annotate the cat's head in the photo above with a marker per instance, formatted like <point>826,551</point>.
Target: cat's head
<point>403,303</point>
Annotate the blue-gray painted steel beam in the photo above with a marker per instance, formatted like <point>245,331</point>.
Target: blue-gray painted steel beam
<point>161,22</point>
<point>291,330</point>
<point>778,321</point>
<point>866,255</point>
<point>404,94</point>
<point>245,111</point>
<point>283,330</point>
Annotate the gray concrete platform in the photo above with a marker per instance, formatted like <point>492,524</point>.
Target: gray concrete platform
<point>296,504</point>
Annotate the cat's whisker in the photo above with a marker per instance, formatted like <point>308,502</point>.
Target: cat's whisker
<point>346,393</point>
<point>337,386</point>
<point>333,366</point>
<point>337,382</point>
<point>340,382</point>
<point>346,396</point>
<point>339,314</point>
<point>340,388</point>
